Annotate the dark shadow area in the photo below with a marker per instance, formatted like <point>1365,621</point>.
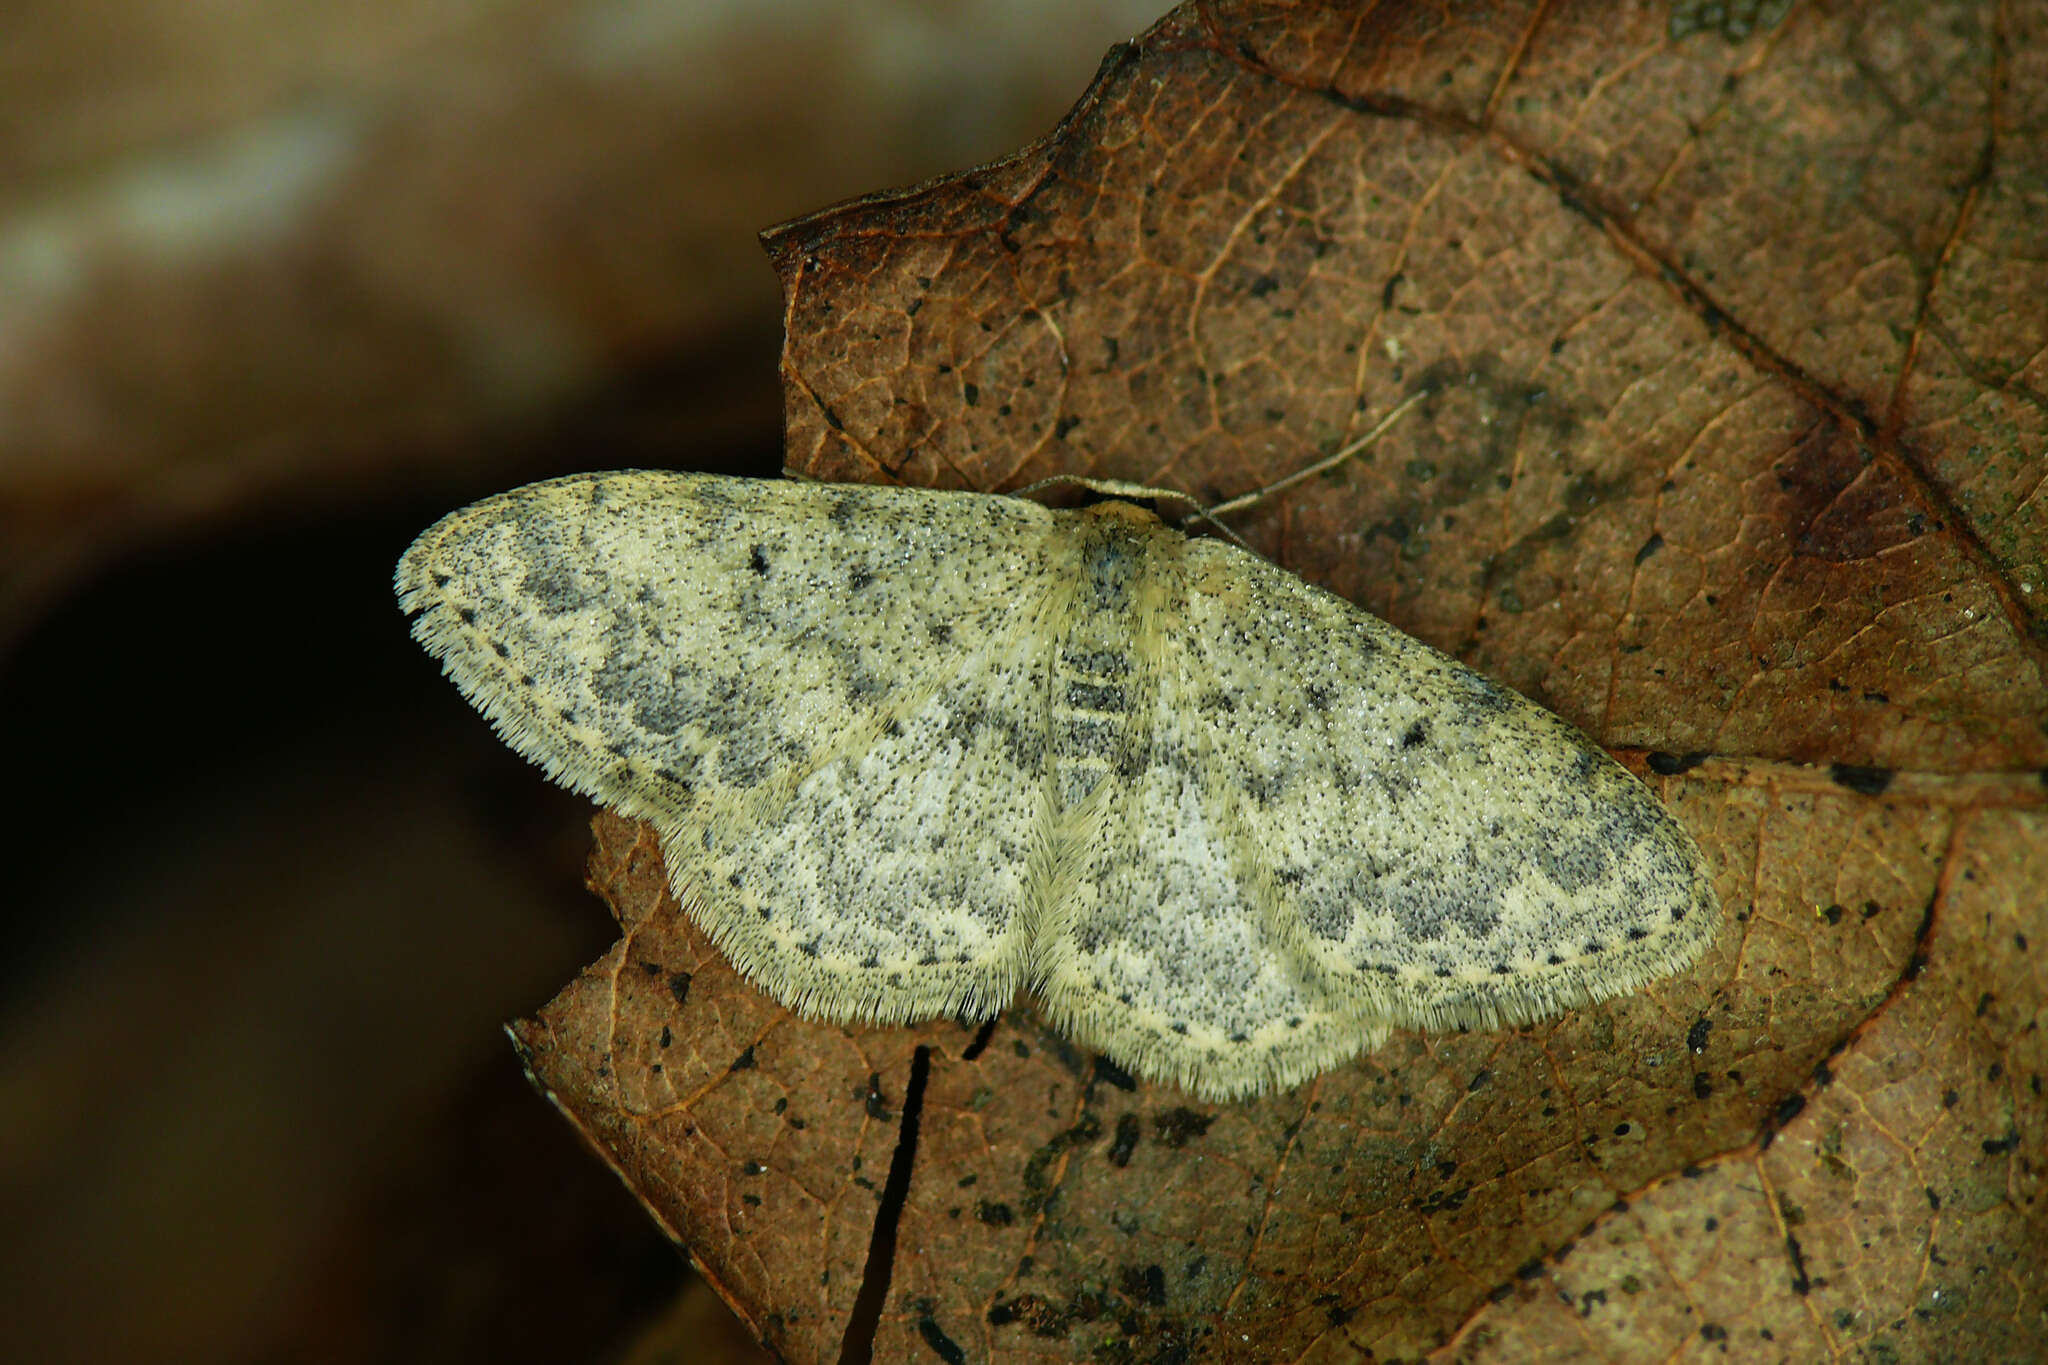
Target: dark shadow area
<point>858,1346</point>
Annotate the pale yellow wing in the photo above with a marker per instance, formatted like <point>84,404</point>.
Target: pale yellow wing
<point>1322,829</point>
<point>1441,851</point>
<point>829,699</point>
<point>1164,955</point>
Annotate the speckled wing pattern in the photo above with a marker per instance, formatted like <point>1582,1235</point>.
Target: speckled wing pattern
<point>911,751</point>
<point>1324,829</point>
<point>828,699</point>
<point>1518,869</point>
<point>1422,847</point>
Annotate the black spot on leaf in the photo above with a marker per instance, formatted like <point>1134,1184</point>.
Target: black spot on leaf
<point>1861,780</point>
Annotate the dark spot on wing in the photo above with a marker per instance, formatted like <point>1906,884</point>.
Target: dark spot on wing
<point>1574,864</point>
<point>1025,742</point>
<point>1426,903</point>
<point>1416,734</point>
<point>1483,696</point>
<point>661,715</point>
<point>743,765</point>
<point>758,560</point>
<point>1329,918</point>
<point>553,588</point>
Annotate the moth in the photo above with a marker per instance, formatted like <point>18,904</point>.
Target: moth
<point>911,752</point>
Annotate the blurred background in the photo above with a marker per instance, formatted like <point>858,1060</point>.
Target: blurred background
<point>280,283</point>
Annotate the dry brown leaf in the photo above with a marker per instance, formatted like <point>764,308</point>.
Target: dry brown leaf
<point>1733,459</point>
